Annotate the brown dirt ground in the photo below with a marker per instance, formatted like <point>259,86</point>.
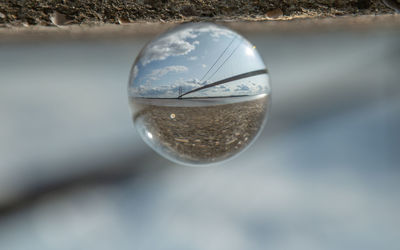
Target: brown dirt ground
<point>202,134</point>
<point>34,12</point>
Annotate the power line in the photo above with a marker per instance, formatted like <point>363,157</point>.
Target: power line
<point>233,51</point>
<point>223,52</point>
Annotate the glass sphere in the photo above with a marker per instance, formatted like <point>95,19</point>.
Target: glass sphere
<point>199,93</point>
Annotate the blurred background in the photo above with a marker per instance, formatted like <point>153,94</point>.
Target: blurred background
<point>324,174</point>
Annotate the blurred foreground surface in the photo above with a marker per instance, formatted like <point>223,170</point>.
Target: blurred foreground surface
<point>324,174</point>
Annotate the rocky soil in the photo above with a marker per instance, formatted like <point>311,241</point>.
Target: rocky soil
<point>64,12</point>
<point>201,134</point>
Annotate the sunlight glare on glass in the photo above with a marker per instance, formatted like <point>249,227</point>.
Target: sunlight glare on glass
<point>250,51</point>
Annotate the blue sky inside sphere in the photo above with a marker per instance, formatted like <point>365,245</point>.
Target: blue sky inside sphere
<point>194,55</point>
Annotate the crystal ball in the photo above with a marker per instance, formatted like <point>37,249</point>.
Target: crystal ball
<point>199,94</point>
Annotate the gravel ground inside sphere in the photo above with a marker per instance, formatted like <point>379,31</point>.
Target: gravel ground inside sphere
<point>200,134</point>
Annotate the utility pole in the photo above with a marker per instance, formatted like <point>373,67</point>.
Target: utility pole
<point>180,91</point>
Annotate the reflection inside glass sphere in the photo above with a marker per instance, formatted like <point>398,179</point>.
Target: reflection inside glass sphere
<point>199,93</point>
